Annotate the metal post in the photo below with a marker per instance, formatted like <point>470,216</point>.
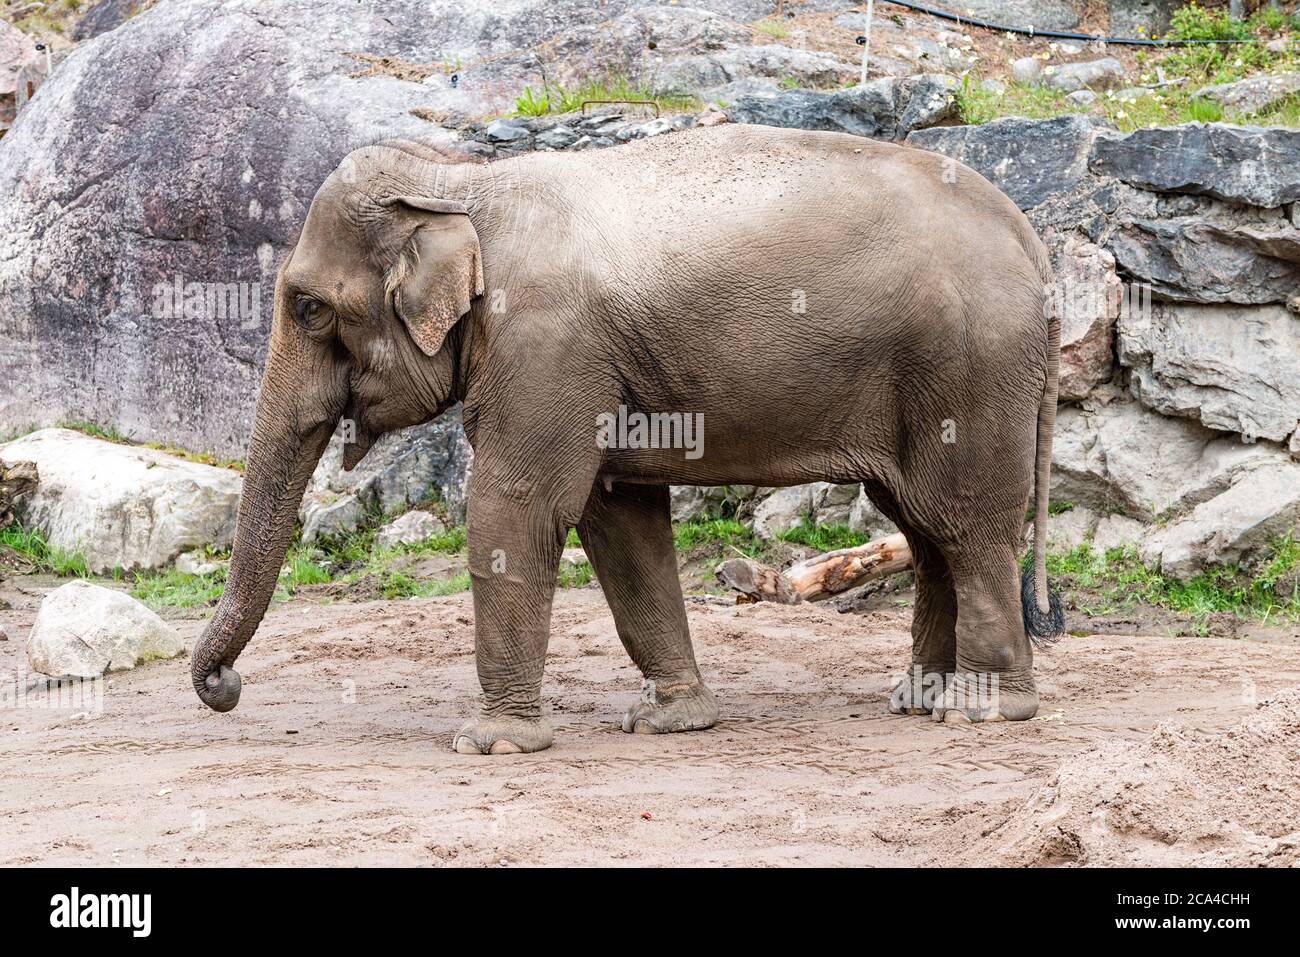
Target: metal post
<point>866,45</point>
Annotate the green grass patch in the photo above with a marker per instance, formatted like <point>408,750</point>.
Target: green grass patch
<point>171,589</point>
<point>30,545</point>
<point>553,98</point>
<point>726,533</point>
<point>1121,580</point>
<point>823,538</point>
<point>773,28</point>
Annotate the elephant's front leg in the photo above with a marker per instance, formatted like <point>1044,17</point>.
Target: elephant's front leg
<point>516,534</point>
<point>628,535</point>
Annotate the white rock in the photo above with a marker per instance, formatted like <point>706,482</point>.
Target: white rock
<point>1082,97</point>
<point>1121,456</point>
<point>1233,527</point>
<point>83,630</point>
<point>197,563</point>
<point>834,504</point>
<point>1075,76</point>
<point>1086,292</point>
<point>409,529</point>
<point>1067,530</point>
<point>1233,367</point>
<point>865,519</point>
<point>785,508</point>
<point>1026,69</point>
<point>1118,531</point>
<point>573,557</point>
<point>123,506</point>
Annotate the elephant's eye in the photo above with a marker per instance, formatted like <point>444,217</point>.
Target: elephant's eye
<point>309,313</point>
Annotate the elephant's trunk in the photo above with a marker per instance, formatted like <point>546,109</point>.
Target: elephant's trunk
<point>286,445</point>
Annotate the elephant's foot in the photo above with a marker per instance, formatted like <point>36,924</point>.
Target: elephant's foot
<point>503,735</point>
<point>666,706</point>
<point>976,697</point>
<point>918,689</point>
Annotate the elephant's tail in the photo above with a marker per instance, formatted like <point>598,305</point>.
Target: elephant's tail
<point>1044,620</point>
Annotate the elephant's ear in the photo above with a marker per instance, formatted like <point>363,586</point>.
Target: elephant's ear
<point>439,272</point>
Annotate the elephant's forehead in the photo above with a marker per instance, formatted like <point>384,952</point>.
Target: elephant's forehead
<point>326,263</point>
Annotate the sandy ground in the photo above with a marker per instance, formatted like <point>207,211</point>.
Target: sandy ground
<point>339,753</point>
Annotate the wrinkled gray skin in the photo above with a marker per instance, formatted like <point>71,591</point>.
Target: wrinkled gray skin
<point>545,290</point>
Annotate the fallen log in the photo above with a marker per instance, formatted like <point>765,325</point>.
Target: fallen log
<point>14,481</point>
<point>818,577</point>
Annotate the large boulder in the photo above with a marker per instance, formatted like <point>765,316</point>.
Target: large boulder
<point>887,108</point>
<point>402,469</point>
<point>1119,457</point>
<point>1087,294</point>
<point>1239,525</point>
<point>1091,74</point>
<point>83,630</point>
<point>1235,368</point>
<point>1253,165</point>
<point>1029,160</point>
<point>123,506</point>
<point>1253,94</point>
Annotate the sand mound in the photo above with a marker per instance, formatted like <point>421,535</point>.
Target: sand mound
<point>1182,797</point>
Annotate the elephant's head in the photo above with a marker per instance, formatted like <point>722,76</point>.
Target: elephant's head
<point>364,330</point>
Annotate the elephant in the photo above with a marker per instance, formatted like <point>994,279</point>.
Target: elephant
<point>826,307</point>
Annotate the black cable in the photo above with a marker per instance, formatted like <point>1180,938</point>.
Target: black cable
<point>1050,34</point>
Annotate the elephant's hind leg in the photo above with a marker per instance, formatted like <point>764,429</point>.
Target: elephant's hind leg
<point>995,663</point>
<point>627,533</point>
<point>934,617</point>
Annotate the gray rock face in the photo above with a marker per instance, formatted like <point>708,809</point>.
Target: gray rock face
<point>1093,74</point>
<point>410,528</point>
<point>223,164</point>
<point>1236,526</point>
<point>83,630</point>
<point>105,15</point>
<point>123,506</point>
<point>1087,291</point>
<point>1029,160</point>
<point>1254,94</point>
<point>403,469</point>
<point>888,108</point>
<point>1234,368</point>
<point>785,508</point>
<point>1251,165</point>
<point>1200,250</point>
<point>1120,457</point>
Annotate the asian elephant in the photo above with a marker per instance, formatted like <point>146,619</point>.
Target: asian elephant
<point>826,307</point>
